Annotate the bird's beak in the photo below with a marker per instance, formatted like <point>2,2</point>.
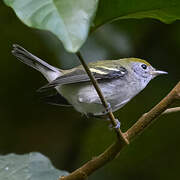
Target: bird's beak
<point>157,72</point>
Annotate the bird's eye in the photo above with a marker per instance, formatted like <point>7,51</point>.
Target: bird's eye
<point>144,66</point>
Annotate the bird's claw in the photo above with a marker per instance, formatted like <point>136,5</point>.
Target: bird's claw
<point>118,125</point>
<point>108,108</point>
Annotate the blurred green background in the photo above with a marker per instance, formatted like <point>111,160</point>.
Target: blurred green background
<point>27,124</point>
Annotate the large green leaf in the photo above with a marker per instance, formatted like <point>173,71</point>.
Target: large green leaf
<point>165,10</point>
<point>33,166</point>
<point>69,20</point>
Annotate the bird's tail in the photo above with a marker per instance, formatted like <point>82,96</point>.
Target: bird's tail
<point>50,72</point>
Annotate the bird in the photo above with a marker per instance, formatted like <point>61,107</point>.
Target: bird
<point>119,80</point>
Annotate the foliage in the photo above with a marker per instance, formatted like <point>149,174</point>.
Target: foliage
<point>33,166</point>
<point>164,10</point>
<point>70,20</point>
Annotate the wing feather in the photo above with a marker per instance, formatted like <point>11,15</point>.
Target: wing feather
<point>80,76</point>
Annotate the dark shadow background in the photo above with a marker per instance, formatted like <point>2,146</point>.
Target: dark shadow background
<point>27,124</point>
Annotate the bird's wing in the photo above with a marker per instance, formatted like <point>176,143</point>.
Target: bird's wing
<point>79,76</point>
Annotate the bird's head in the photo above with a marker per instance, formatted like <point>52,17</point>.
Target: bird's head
<point>141,69</point>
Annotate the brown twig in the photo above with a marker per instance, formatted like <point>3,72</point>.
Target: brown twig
<point>171,110</point>
<point>143,122</point>
<point>103,100</point>
<point>156,111</point>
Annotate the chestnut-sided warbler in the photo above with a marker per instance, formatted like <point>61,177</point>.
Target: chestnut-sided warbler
<point>120,80</point>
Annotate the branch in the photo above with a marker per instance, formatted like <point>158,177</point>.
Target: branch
<point>168,111</point>
<point>171,110</point>
<point>156,111</point>
<point>103,100</point>
<point>143,122</point>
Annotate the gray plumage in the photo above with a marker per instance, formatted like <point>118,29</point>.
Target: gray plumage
<point>119,80</point>
<point>79,76</point>
<point>31,60</point>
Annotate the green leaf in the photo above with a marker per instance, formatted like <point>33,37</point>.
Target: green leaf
<point>69,20</point>
<point>33,166</point>
<point>166,11</point>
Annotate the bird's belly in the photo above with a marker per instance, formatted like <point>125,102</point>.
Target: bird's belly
<point>84,97</point>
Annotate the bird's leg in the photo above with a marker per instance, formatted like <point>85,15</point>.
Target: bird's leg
<point>108,108</point>
<point>85,116</point>
<point>91,115</point>
<point>105,117</point>
<point>118,125</point>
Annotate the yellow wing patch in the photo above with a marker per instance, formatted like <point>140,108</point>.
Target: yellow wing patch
<point>97,71</point>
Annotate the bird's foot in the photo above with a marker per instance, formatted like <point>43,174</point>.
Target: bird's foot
<point>108,108</point>
<point>118,125</point>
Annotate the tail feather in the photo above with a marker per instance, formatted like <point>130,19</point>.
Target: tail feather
<point>50,72</point>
